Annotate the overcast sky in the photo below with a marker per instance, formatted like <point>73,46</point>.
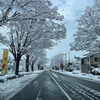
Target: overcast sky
<point>71,9</point>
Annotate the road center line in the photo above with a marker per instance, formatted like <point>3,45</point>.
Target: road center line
<point>38,95</point>
<point>61,88</point>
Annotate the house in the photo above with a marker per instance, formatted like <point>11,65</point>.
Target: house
<point>94,61</point>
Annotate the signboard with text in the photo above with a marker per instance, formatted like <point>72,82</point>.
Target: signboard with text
<point>4,62</point>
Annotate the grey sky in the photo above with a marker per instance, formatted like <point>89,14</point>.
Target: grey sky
<point>71,9</point>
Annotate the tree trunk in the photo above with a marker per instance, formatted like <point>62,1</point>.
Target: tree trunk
<point>17,65</point>
<point>32,67</point>
<point>39,67</point>
<point>27,63</point>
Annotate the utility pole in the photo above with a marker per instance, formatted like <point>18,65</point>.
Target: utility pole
<point>75,61</point>
<point>61,62</point>
<point>65,58</point>
<point>69,57</point>
<point>65,61</point>
<point>61,58</point>
<point>89,61</point>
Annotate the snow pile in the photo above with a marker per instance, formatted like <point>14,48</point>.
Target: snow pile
<point>96,71</point>
<point>12,76</point>
<point>6,77</point>
<point>25,73</point>
<point>77,73</point>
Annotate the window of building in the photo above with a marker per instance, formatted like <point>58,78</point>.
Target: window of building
<point>96,59</point>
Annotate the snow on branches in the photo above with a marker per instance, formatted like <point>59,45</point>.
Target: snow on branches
<point>15,10</point>
<point>88,32</point>
<point>32,25</point>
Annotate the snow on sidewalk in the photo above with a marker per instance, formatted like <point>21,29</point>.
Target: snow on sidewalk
<point>12,85</point>
<point>77,73</point>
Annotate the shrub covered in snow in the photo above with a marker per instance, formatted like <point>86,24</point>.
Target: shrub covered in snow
<point>96,71</point>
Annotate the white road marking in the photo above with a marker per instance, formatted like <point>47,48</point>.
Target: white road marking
<point>61,88</point>
<point>86,88</point>
<point>38,95</point>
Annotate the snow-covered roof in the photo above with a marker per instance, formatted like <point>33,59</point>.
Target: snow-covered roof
<point>91,55</point>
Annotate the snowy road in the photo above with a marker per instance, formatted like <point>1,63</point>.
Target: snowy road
<point>78,89</point>
<point>56,86</point>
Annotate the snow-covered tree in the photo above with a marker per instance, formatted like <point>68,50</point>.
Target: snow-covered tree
<point>15,10</point>
<point>32,30</point>
<point>42,61</point>
<point>57,61</point>
<point>10,65</point>
<point>76,63</point>
<point>87,36</point>
<point>33,61</point>
<point>35,54</point>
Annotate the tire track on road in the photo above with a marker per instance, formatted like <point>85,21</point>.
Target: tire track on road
<point>77,89</point>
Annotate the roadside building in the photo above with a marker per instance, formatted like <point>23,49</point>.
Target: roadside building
<point>94,62</point>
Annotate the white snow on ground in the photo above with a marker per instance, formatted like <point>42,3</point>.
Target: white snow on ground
<point>77,73</point>
<point>7,76</point>
<point>12,85</point>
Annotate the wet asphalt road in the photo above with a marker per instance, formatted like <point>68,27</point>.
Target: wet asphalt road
<point>55,86</point>
<point>42,88</point>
